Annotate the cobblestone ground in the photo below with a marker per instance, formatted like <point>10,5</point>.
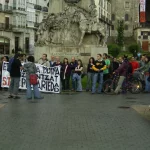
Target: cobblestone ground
<point>79,121</point>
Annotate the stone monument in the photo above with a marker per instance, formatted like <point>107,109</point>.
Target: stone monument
<point>71,29</point>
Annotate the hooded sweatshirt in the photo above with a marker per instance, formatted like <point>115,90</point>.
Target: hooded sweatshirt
<point>30,68</point>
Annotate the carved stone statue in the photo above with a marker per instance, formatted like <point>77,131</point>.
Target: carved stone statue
<point>70,26</point>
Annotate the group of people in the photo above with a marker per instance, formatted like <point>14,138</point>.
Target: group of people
<point>98,71</point>
<point>16,64</point>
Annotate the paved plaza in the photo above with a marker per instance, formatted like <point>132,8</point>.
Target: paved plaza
<point>74,121</point>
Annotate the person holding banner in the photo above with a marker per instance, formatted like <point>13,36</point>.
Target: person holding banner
<point>43,61</point>
<point>15,75</point>
<point>30,69</point>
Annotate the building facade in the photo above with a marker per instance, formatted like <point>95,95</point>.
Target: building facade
<point>104,13</point>
<point>123,10</point>
<point>141,26</point>
<point>6,26</point>
<point>19,20</point>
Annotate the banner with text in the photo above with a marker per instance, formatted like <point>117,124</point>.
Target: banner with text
<point>49,78</point>
<point>142,11</point>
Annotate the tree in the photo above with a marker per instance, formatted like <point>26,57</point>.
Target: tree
<point>120,36</point>
<point>134,49</point>
<point>114,50</point>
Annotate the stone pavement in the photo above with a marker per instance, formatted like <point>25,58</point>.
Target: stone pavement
<point>77,121</point>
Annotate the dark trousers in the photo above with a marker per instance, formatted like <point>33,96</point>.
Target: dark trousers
<point>65,82</point>
<point>106,76</point>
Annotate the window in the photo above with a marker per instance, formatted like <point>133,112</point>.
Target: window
<point>6,22</point>
<point>36,18</point>
<point>127,5</point>
<point>112,27</point>
<point>113,17</point>
<point>126,17</point>
<point>4,45</point>
<point>27,44</point>
<point>126,27</point>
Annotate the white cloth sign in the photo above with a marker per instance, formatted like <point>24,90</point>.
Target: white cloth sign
<point>49,78</point>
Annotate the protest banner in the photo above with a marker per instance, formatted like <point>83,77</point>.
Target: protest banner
<point>49,78</point>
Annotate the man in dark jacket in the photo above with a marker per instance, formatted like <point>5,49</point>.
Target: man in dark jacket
<point>122,71</point>
<point>15,75</point>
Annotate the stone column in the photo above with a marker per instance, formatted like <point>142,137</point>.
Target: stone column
<point>55,6</point>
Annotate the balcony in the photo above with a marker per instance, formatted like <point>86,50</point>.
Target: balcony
<point>8,9</point>
<point>18,28</point>
<point>45,9</point>
<point>38,7</point>
<point>5,27</point>
<point>141,25</point>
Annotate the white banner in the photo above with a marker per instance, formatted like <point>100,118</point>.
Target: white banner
<point>142,5</point>
<point>49,78</point>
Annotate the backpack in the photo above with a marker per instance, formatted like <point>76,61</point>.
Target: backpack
<point>10,64</point>
<point>33,79</point>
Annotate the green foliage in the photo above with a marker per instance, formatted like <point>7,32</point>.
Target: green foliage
<point>114,50</point>
<point>120,36</point>
<point>134,48</point>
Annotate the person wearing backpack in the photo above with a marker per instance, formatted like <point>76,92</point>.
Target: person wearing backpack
<point>31,79</point>
<point>15,75</point>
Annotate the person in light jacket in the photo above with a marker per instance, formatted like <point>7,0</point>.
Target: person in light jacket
<point>30,68</point>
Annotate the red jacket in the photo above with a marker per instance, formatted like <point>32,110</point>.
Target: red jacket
<point>135,65</point>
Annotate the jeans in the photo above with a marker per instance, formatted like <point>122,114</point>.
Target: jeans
<point>89,81</point>
<point>14,85</point>
<point>77,82</point>
<point>147,84</point>
<point>71,79</point>
<point>36,91</point>
<point>100,82</point>
<point>120,82</point>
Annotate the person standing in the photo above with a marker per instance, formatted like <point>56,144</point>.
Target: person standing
<point>65,74</point>
<point>90,72</point>
<point>52,61</point>
<point>43,61</point>
<point>98,68</point>
<point>77,85</point>
<point>30,68</point>
<point>115,64</point>
<point>15,75</point>
<point>142,61</point>
<point>107,62</point>
<point>73,65</point>
<point>57,62</point>
<point>145,70</point>
<point>134,64</point>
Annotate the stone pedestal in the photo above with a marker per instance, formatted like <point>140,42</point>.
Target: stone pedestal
<point>83,52</point>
